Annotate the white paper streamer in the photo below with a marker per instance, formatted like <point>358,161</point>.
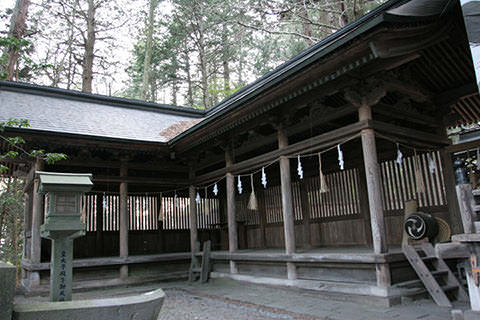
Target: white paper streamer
<point>264,178</point>
<point>215,189</point>
<point>239,185</point>
<point>104,202</point>
<point>175,199</point>
<point>340,157</point>
<point>197,198</point>
<point>299,168</point>
<point>431,164</point>
<point>399,155</point>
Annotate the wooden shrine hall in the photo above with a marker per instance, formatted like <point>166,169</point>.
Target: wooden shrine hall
<point>332,143</point>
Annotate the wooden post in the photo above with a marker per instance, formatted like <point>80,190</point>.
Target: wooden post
<point>99,223</point>
<point>287,204</point>
<point>123,219</point>
<point>374,189</point>
<point>231,214</point>
<point>307,239</point>
<point>193,213</point>
<point>37,218</point>
<point>364,206</point>
<point>263,218</point>
<point>451,193</point>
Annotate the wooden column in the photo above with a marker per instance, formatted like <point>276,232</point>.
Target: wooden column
<point>231,214</point>
<point>193,213</point>
<point>307,238</point>
<point>364,206</point>
<point>287,204</point>
<point>37,218</point>
<point>374,189</point>
<point>451,194</point>
<point>263,218</point>
<point>123,219</point>
<point>99,223</point>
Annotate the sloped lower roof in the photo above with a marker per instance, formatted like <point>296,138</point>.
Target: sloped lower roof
<point>82,115</point>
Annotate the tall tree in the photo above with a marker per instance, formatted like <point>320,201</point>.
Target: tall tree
<point>148,48</point>
<point>16,33</point>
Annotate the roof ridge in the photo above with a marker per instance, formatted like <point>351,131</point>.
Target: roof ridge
<point>98,98</point>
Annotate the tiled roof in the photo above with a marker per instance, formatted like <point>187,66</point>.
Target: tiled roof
<point>70,115</point>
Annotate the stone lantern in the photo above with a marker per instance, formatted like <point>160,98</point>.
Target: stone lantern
<point>63,223</point>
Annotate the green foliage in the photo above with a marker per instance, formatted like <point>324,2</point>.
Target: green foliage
<point>17,142</point>
<point>24,49</point>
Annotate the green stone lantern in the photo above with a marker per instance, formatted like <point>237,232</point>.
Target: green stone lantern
<point>63,223</point>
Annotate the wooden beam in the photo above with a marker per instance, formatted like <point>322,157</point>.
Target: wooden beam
<point>142,180</point>
<point>321,141</point>
<point>157,166</point>
<point>412,134</point>
<point>449,97</point>
<point>296,128</point>
<point>397,112</point>
<point>465,146</point>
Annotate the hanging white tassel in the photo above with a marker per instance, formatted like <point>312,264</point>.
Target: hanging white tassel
<point>431,164</point>
<point>215,190</point>
<point>418,175</point>
<point>264,178</point>
<point>299,168</point>
<point>239,185</point>
<point>197,198</point>
<point>340,157</point>
<point>175,199</point>
<point>399,155</point>
<point>253,202</point>
<point>323,183</point>
<point>104,202</point>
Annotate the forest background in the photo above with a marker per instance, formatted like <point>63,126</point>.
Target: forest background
<point>192,53</point>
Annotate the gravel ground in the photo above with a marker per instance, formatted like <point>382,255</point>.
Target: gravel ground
<point>181,304</point>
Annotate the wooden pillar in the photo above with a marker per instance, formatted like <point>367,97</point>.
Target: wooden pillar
<point>37,218</point>
<point>99,223</point>
<point>263,218</point>
<point>231,214</point>
<point>374,189</point>
<point>451,194</point>
<point>364,206</point>
<point>307,238</point>
<point>287,204</point>
<point>124,219</point>
<point>193,213</point>
<point>27,213</point>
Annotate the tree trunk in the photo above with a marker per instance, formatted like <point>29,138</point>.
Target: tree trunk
<point>225,59</point>
<point>148,49</point>
<point>17,30</point>
<point>189,80</point>
<point>89,48</point>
